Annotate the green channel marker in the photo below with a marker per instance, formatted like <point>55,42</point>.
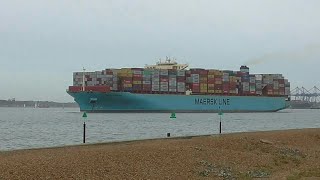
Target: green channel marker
<point>220,113</point>
<point>84,115</point>
<point>173,115</point>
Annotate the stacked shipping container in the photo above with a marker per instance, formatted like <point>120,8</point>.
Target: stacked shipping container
<point>199,81</point>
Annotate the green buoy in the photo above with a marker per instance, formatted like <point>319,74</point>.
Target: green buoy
<point>173,115</point>
<point>84,115</point>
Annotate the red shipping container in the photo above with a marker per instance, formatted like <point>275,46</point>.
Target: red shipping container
<point>75,88</point>
<point>181,79</point>
<point>218,87</point>
<point>233,85</point>
<point>203,72</point>
<point>196,90</point>
<point>211,81</point>
<point>196,71</point>
<point>240,74</point>
<point>225,87</point>
<point>269,87</point>
<point>109,72</point>
<point>147,85</point>
<point>137,78</point>
<point>97,88</point>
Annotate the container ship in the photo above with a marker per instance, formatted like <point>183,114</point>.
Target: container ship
<point>171,87</point>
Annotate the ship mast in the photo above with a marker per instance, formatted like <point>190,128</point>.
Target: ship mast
<point>83,87</point>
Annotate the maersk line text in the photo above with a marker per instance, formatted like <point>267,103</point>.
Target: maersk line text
<point>212,101</point>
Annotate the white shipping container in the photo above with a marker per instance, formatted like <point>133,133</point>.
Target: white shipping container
<point>259,92</point>
<point>258,77</point>
<point>164,85</point>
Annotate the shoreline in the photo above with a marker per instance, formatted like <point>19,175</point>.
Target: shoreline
<point>276,154</point>
<point>153,139</point>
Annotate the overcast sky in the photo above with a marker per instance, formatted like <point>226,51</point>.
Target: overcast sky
<point>43,42</point>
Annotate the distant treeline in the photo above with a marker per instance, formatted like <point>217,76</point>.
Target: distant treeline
<point>38,104</point>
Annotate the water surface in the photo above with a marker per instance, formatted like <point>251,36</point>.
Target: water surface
<point>24,128</point>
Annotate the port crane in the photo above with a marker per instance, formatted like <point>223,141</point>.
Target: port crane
<point>307,95</point>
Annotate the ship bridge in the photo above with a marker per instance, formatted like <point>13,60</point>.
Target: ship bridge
<point>167,64</point>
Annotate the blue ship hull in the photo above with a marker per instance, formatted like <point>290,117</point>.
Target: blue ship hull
<point>131,102</point>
